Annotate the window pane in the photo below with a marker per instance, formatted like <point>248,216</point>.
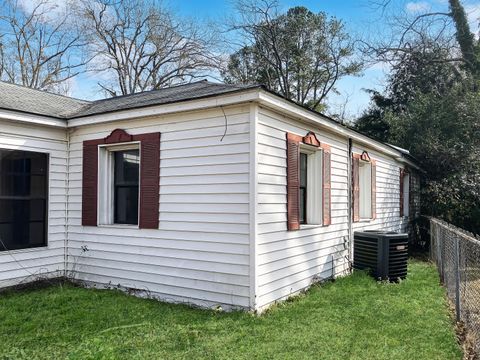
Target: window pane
<point>126,167</point>
<point>303,170</point>
<point>126,205</point>
<point>126,177</point>
<point>365,178</point>
<point>23,199</point>
<point>303,188</point>
<point>303,205</point>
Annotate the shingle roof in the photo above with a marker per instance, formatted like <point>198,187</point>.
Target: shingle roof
<point>19,98</point>
<point>169,95</point>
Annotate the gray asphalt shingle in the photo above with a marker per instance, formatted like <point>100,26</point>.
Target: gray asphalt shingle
<point>19,98</point>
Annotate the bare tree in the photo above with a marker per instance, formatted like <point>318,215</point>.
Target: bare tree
<point>139,46</point>
<point>39,47</point>
<point>299,54</point>
<point>424,30</point>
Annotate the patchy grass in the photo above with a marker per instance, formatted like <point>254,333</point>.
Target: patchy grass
<point>351,318</point>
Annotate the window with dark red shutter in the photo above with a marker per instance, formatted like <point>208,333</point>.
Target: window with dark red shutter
<point>131,206</point>
<point>364,187</point>
<point>308,181</point>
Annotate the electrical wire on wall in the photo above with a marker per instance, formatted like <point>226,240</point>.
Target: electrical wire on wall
<point>226,123</point>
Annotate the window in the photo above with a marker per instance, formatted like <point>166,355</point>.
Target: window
<point>119,184</point>
<point>303,188</point>
<point>125,181</point>
<point>365,186</point>
<point>406,194</point>
<point>23,199</point>
<point>100,186</point>
<point>310,187</point>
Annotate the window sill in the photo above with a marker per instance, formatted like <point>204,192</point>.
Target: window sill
<point>364,220</point>
<point>29,249</point>
<point>118,226</point>
<point>310,226</point>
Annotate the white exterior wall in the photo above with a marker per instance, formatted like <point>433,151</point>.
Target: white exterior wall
<point>200,253</point>
<point>289,261</point>
<point>19,266</point>
<point>222,236</point>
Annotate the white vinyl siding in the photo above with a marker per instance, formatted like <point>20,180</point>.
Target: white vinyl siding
<point>19,266</point>
<point>200,253</point>
<point>222,236</point>
<point>287,261</point>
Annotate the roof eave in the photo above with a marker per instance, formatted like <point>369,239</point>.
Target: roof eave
<point>294,110</point>
<point>205,102</point>
<point>31,118</point>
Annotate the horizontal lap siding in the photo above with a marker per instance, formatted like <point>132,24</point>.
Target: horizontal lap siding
<point>288,261</point>
<point>388,196</point>
<point>200,253</point>
<point>19,266</point>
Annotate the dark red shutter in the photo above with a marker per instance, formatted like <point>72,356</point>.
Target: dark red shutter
<point>327,191</point>
<point>293,181</point>
<point>356,187</point>
<point>149,179</point>
<point>90,182</point>
<point>374,189</point>
<point>401,191</point>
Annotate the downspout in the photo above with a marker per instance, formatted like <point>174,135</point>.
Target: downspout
<point>349,210</point>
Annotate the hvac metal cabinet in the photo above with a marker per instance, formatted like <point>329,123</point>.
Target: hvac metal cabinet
<point>385,254</point>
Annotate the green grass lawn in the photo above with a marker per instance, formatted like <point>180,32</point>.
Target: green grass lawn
<point>351,318</point>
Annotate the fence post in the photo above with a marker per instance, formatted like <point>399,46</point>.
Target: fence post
<point>432,243</point>
<point>457,278</point>
<point>441,253</point>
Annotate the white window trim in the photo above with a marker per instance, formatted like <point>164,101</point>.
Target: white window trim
<point>105,206</point>
<point>365,198</point>
<point>314,186</point>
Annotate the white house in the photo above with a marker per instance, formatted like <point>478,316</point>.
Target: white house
<point>204,193</point>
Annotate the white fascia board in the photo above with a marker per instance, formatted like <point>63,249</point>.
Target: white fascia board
<point>32,118</point>
<point>191,105</point>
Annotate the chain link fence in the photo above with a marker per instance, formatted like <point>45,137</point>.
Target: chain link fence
<point>457,255</point>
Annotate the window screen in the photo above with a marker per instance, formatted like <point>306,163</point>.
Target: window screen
<point>23,199</point>
<point>126,176</point>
